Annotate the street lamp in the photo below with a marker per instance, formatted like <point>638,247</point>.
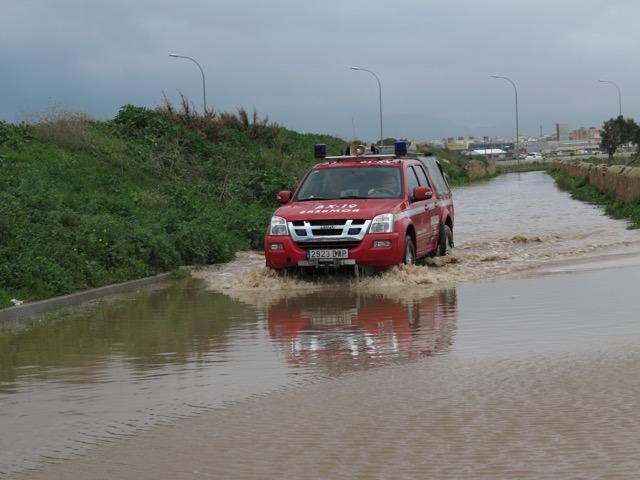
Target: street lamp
<point>619,94</point>
<point>379,97</point>
<point>204,89</point>
<point>517,129</point>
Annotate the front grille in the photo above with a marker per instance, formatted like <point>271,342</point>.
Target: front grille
<point>325,245</point>
<point>328,230</point>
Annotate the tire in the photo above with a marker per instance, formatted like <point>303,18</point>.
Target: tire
<point>409,257</point>
<point>445,239</point>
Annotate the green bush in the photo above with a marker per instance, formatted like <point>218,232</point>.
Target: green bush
<point>15,135</point>
<point>5,300</point>
<point>203,243</point>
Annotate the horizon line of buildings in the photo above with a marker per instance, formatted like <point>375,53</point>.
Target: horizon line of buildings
<point>562,140</point>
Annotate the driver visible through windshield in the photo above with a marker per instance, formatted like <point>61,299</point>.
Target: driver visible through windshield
<point>352,182</point>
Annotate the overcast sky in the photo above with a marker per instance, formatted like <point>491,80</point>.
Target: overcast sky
<point>290,59</point>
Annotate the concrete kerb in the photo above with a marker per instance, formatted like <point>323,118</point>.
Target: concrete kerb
<point>42,307</point>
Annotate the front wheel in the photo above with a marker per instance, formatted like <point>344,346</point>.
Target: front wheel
<point>409,251</point>
<point>445,239</point>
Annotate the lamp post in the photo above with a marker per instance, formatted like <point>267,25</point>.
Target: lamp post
<point>517,128</point>
<point>619,94</point>
<point>204,88</point>
<point>379,96</point>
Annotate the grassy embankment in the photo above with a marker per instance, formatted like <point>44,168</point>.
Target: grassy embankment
<point>86,203</point>
<point>582,190</point>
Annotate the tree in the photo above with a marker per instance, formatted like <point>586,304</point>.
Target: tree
<point>634,138</point>
<point>615,133</point>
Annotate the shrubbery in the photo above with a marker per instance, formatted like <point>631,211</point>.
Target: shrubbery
<point>15,135</point>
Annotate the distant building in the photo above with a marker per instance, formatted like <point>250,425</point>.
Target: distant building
<point>582,133</point>
<point>562,132</point>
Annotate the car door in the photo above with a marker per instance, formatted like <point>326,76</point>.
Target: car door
<point>416,211</point>
<point>441,190</point>
<point>431,219</point>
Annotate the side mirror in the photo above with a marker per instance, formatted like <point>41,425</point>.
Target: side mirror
<point>422,193</point>
<point>284,196</point>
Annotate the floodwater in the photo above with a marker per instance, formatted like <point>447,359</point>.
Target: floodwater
<point>516,357</point>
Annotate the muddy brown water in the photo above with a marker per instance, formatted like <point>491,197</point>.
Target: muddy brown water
<point>517,357</point>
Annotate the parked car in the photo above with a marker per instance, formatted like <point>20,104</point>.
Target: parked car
<point>366,209</point>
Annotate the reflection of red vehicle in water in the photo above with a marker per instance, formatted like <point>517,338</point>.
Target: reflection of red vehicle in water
<point>362,330</point>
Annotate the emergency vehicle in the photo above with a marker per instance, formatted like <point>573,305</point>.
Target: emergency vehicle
<point>363,209</point>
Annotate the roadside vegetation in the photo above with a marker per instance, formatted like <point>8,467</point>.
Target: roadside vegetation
<point>523,167</point>
<point>582,190</point>
<point>85,203</point>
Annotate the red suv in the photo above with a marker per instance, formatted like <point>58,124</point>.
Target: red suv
<point>365,210</point>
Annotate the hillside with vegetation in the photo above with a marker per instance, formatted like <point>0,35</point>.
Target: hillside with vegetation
<point>86,203</point>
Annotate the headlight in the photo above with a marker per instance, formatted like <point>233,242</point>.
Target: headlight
<point>278,226</point>
<point>382,223</point>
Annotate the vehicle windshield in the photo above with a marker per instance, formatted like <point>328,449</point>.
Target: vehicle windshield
<point>351,182</point>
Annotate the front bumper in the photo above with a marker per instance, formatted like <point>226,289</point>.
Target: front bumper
<point>290,254</point>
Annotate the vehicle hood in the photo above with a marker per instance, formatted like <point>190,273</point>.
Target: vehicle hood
<point>339,209</point>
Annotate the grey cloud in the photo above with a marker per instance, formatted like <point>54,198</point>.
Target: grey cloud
<point>290,59</point>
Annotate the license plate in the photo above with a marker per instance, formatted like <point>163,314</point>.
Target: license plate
<point>329,254</point>
<point>331,320</point>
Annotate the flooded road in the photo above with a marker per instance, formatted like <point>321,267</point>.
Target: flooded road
<point>422,372</point>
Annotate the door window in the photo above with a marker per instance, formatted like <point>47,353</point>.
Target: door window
<point>437,177</point>
<point>424,181</point>
<point>413,181</point>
